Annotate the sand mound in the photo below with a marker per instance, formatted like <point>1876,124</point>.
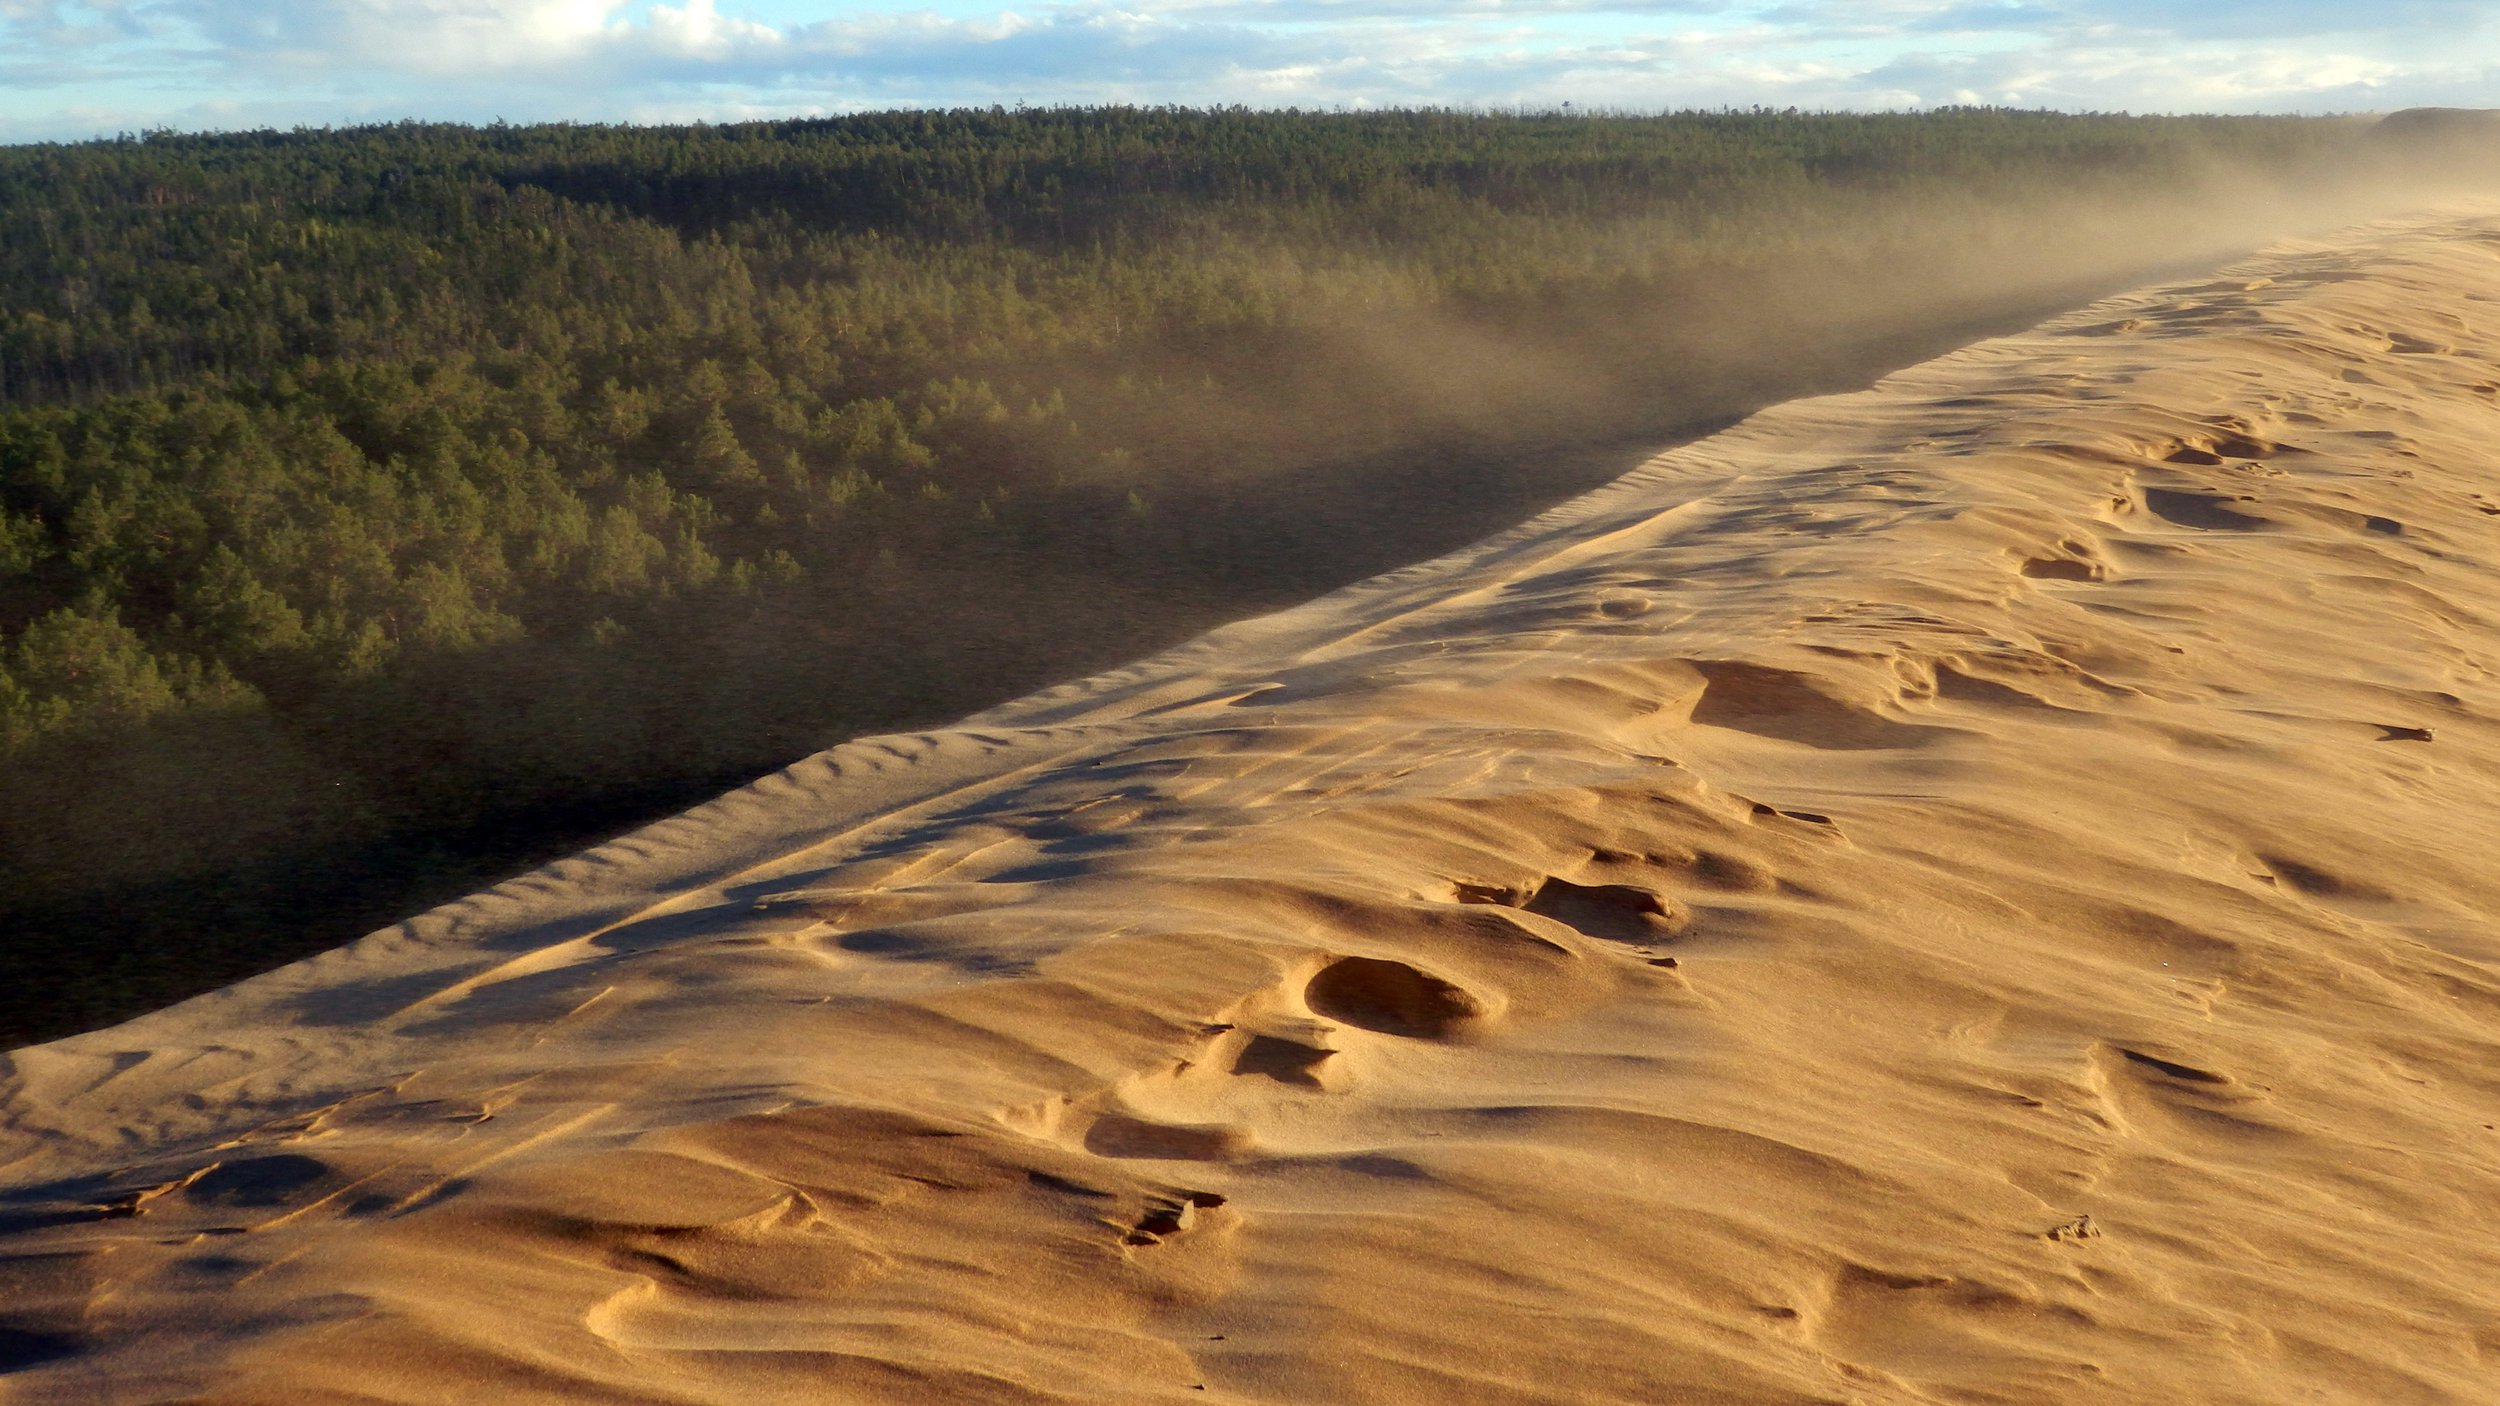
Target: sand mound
<point>2474,123</point>
<point>1978,890</point>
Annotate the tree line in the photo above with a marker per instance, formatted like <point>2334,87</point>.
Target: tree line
<point>384,509</point>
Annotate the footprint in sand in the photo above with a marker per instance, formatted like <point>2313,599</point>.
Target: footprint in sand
<point>1284,1059</point>
<point>1392,998</point>
<point>2205,512</point>
<point>2063,569</point>
<point>1613,912</point>
<point>1789,706</point>
<point>1124,1135</point>
<point>1172,1215</point>
<point>1623,913</point>
<point>1166,1115</point>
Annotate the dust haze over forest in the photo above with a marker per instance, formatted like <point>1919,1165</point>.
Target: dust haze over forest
<point>389,509</point>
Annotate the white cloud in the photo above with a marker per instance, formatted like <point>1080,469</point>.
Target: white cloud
<point>695,30</point>
<point>284,61</point>
<point>444,37</point>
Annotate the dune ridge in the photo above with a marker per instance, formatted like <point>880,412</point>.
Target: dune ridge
<point>1971,891</point>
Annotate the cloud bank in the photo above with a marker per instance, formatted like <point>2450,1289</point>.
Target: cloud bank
<point>75,68</point>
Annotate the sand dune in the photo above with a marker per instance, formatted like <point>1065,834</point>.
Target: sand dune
<point>1979,890</point>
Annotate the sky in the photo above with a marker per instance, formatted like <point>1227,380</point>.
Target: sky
<point>73,69</point>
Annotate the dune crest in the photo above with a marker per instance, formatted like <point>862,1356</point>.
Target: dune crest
<point>1976,890</point>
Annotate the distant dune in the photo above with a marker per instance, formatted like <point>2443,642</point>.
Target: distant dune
<point>1979,890</point>
<point>2458,121</point>
<point>2450,141</point>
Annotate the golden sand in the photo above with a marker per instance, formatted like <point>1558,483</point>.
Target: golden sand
<point>1979,890</point>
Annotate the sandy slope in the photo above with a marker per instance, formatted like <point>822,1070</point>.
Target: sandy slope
<point>1979,890</point>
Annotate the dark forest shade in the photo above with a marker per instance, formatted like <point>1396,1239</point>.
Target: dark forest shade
<point>383,510</point>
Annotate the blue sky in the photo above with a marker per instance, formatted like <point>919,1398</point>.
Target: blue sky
<point>78,68</point>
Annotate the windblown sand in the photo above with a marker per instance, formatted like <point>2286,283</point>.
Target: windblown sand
<point>1980,890</point>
